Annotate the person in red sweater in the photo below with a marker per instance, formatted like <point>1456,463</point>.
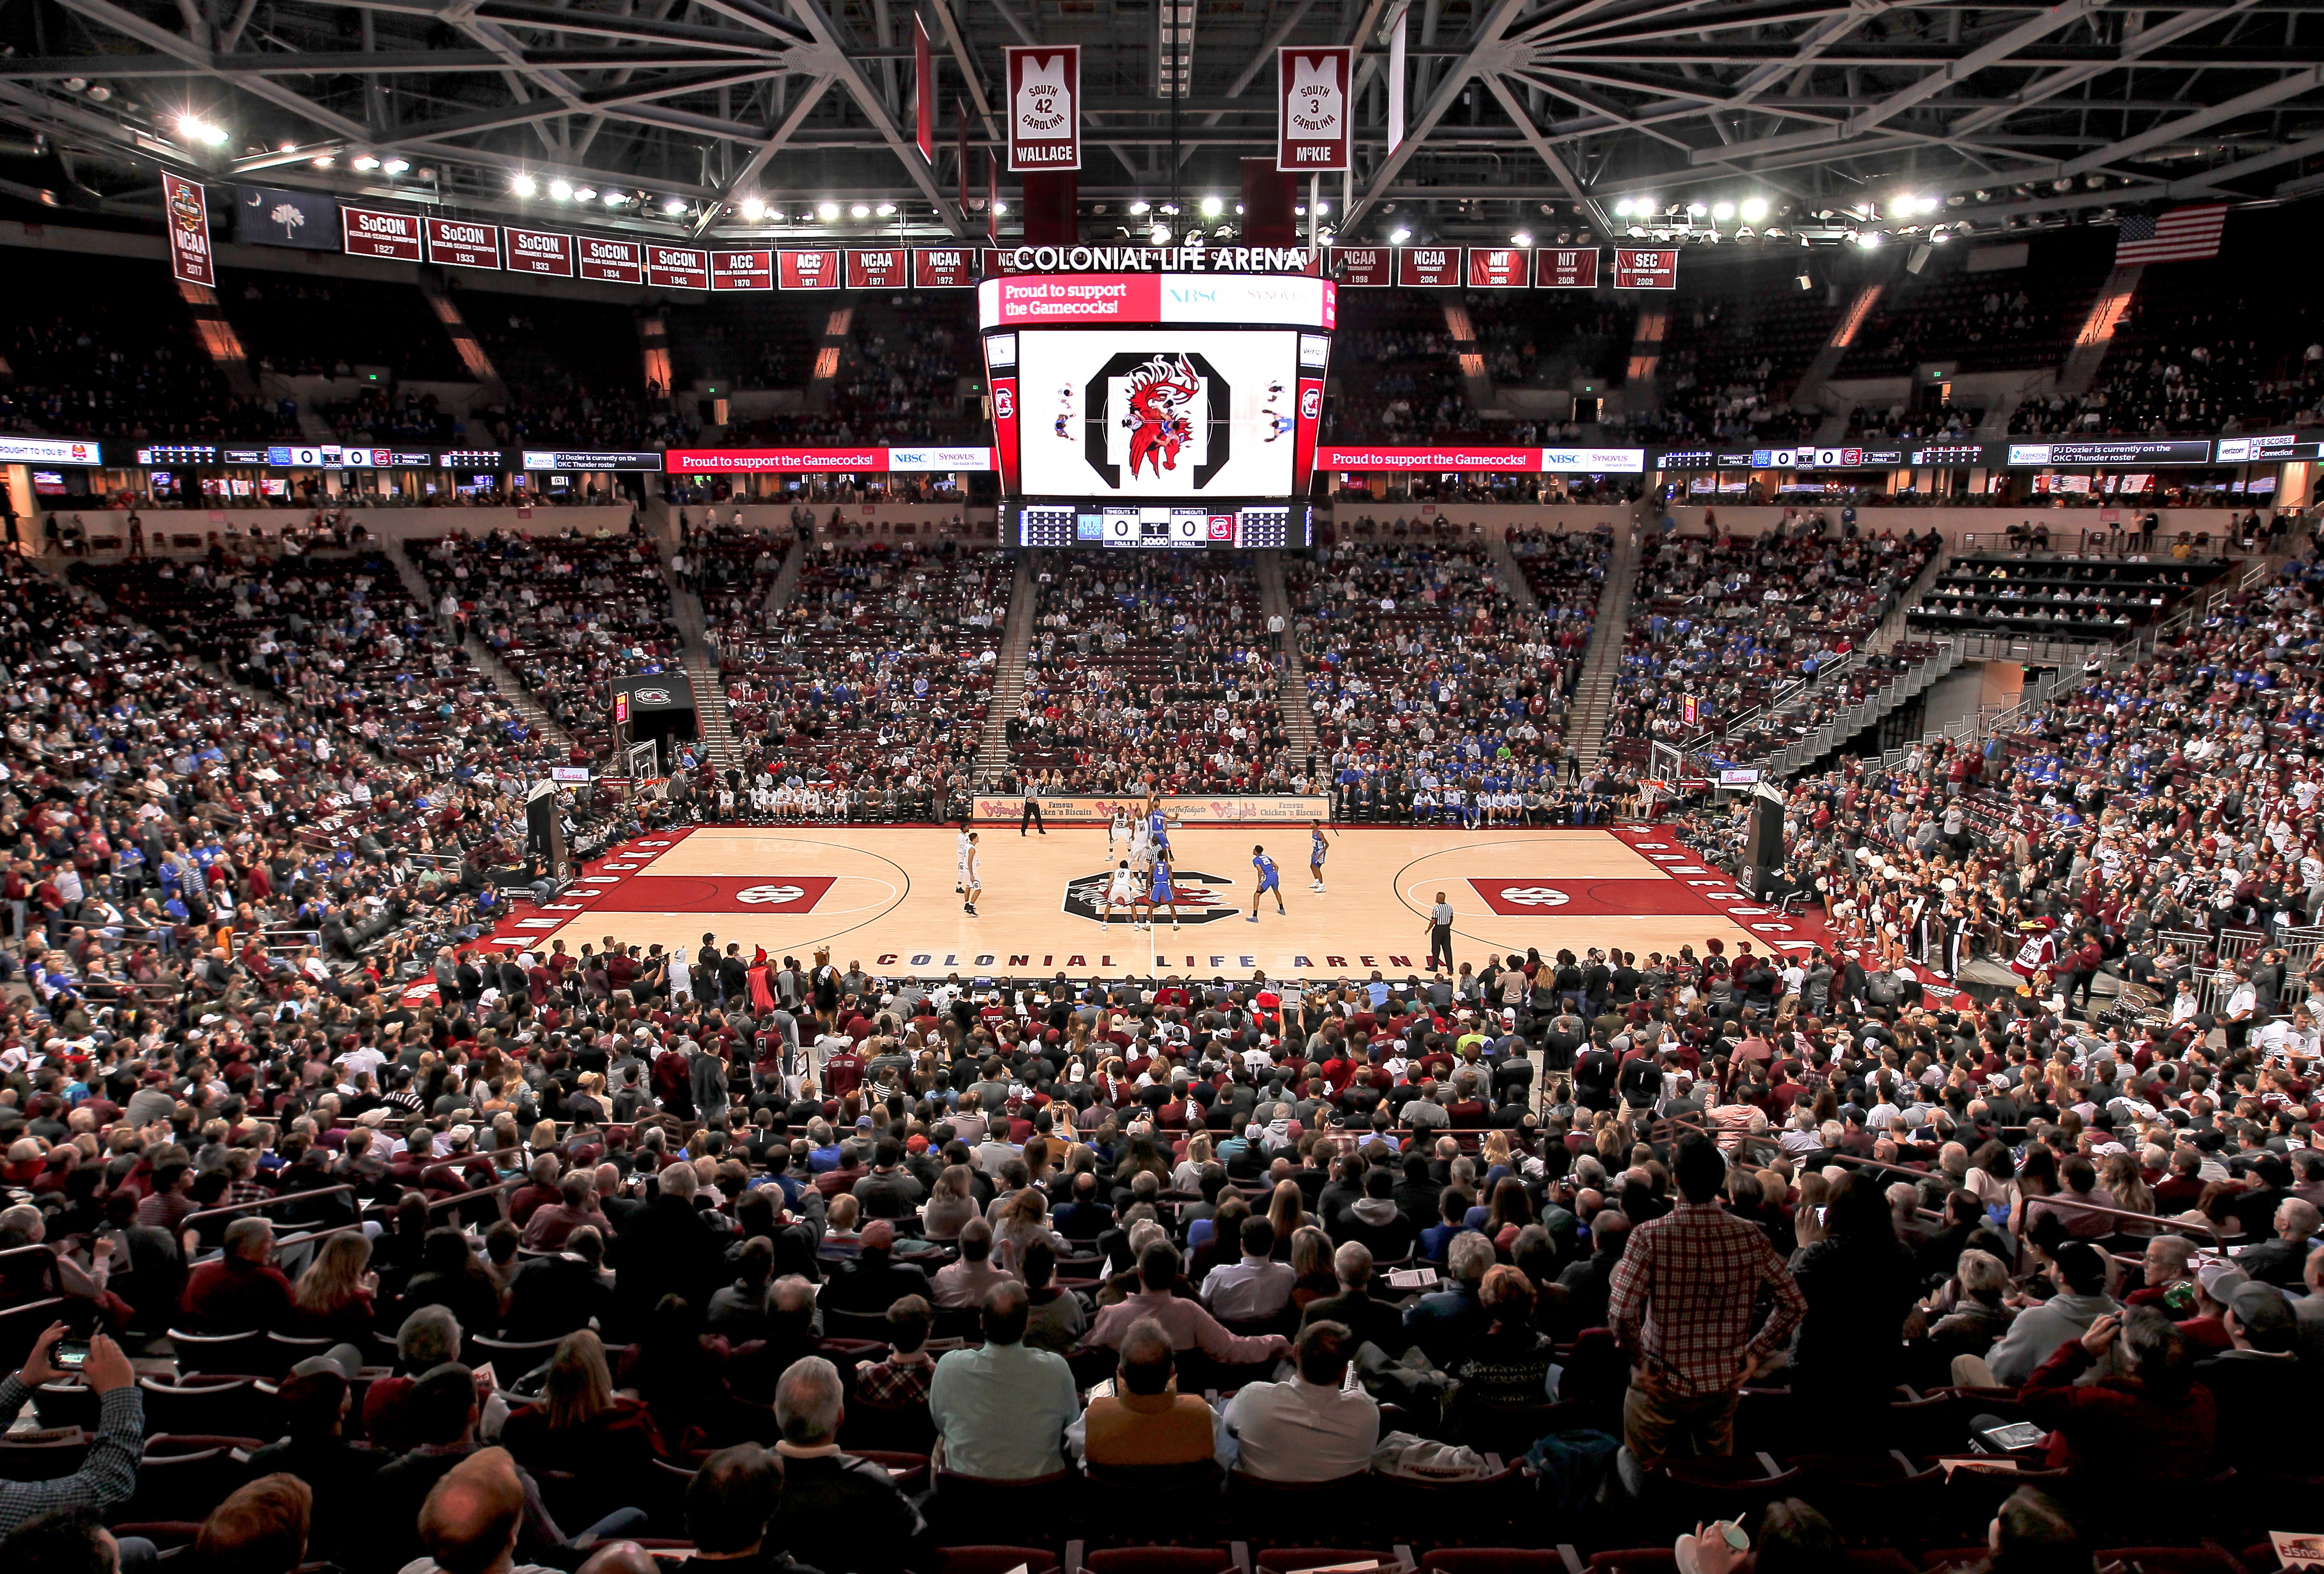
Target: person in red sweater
<point>2155,1425</point>
<point>243,1289</point>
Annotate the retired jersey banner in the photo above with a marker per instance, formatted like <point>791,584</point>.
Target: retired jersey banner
<point>1044,94</point>
<point>189,231</point>
<point>1499,267</point>
<point>882,269</point>
<point>1561,267</point>
<point>1312,107</point>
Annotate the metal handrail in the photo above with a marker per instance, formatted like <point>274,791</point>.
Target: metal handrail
<point>282,1200</point>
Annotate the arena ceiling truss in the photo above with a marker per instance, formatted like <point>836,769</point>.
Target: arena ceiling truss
<point>1810,119</point>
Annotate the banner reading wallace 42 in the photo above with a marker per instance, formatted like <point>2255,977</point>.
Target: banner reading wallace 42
<point>1096,809</point>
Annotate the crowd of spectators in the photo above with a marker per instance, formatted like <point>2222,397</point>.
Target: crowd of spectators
<point>568,613</point>
<point>613,1232</point>
<point>870,686</point>
<point>1436,694</point>
<point>1140,669</point>
<point>1720,625</point>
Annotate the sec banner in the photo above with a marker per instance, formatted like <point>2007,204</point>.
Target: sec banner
<point>1312,107</point>
<point>1650,269</point>
<point>1044,91</point>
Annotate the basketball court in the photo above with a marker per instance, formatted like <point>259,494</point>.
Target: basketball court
<point>884,897</point>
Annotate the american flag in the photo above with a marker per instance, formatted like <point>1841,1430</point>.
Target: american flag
<point>2183,234</point>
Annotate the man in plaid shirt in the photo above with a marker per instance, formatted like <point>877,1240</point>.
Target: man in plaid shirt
<point>1683,1298</point>
<point>109,1473</point>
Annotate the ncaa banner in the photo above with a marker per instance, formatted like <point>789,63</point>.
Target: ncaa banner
<point>1311,107</point>
<point>1286,810</point>
<point>1043,90</point>
<point>188,214</point>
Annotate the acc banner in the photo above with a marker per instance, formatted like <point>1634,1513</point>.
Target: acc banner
<point>1312,107</point>
<point>1044,90</point>
<point>189,231</point>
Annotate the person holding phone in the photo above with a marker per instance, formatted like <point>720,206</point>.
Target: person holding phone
<point>108,1475</point>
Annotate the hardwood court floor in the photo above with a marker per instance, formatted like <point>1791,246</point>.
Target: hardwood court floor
<point>883,898</point>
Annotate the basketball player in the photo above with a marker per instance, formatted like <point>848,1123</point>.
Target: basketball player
<point>971,875</point>
<point>1122,889</point>
<point>960,855</point>
<point>1161,893</point>
<point>1119,835</point>
<point>1270,879</point>
<point>1317,846</point>
<point>1157,827</point>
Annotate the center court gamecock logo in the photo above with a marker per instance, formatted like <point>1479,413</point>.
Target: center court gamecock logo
<point>1202,899</point>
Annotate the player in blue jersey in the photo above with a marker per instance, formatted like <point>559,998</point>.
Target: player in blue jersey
<point>1158,828</point>
<point>1157,894</point>
<point>1318,844</point>
<point>1270,879</point>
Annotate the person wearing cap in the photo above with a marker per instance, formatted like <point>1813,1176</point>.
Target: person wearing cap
<point>2265,1391</point>
<point>872,1282</point>
<point>315,1399</point>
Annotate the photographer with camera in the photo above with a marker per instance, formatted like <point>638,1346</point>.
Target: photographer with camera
<point>108,1475</point>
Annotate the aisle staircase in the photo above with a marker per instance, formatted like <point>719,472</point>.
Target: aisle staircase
<point>1594,697</point>
<point>512,688</point>
<point>1009,682</point>
<point>1512,574</point>
<point>1299,736</point>
<point>712,717</point>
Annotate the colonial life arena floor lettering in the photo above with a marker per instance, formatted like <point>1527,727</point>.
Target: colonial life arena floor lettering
<point>884,897</point>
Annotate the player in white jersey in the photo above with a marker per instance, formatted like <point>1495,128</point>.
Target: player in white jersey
<point>1119,835</point>
<point>972,875</point>
<point>960,861</point>
<point>1120,887</point>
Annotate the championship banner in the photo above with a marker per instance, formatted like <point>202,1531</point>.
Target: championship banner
<point>1499,267</point>
<point>1428,267</point>
<point>678,268</point>
<point>808,270</point>
<point>742,270</point>
<point>1311,112</point>
<point>1560,268</point>
<point>188,214</point>
<point>455,243</point>
<point>881,270</point>
<point>1286,810</point>
<point>1649,269</point>
<point>1365,267</point>
<point>943,268</point>
<point>375,232</point>
<point>1043,90</point>
<point>612,262</point>
<point>539,251</point>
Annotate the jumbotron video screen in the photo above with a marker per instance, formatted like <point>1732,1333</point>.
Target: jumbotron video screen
<point>1136,411</point>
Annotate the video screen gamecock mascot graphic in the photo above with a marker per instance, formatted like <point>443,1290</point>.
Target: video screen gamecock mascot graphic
<point>1155,422</point>
<point>1161,392</point>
